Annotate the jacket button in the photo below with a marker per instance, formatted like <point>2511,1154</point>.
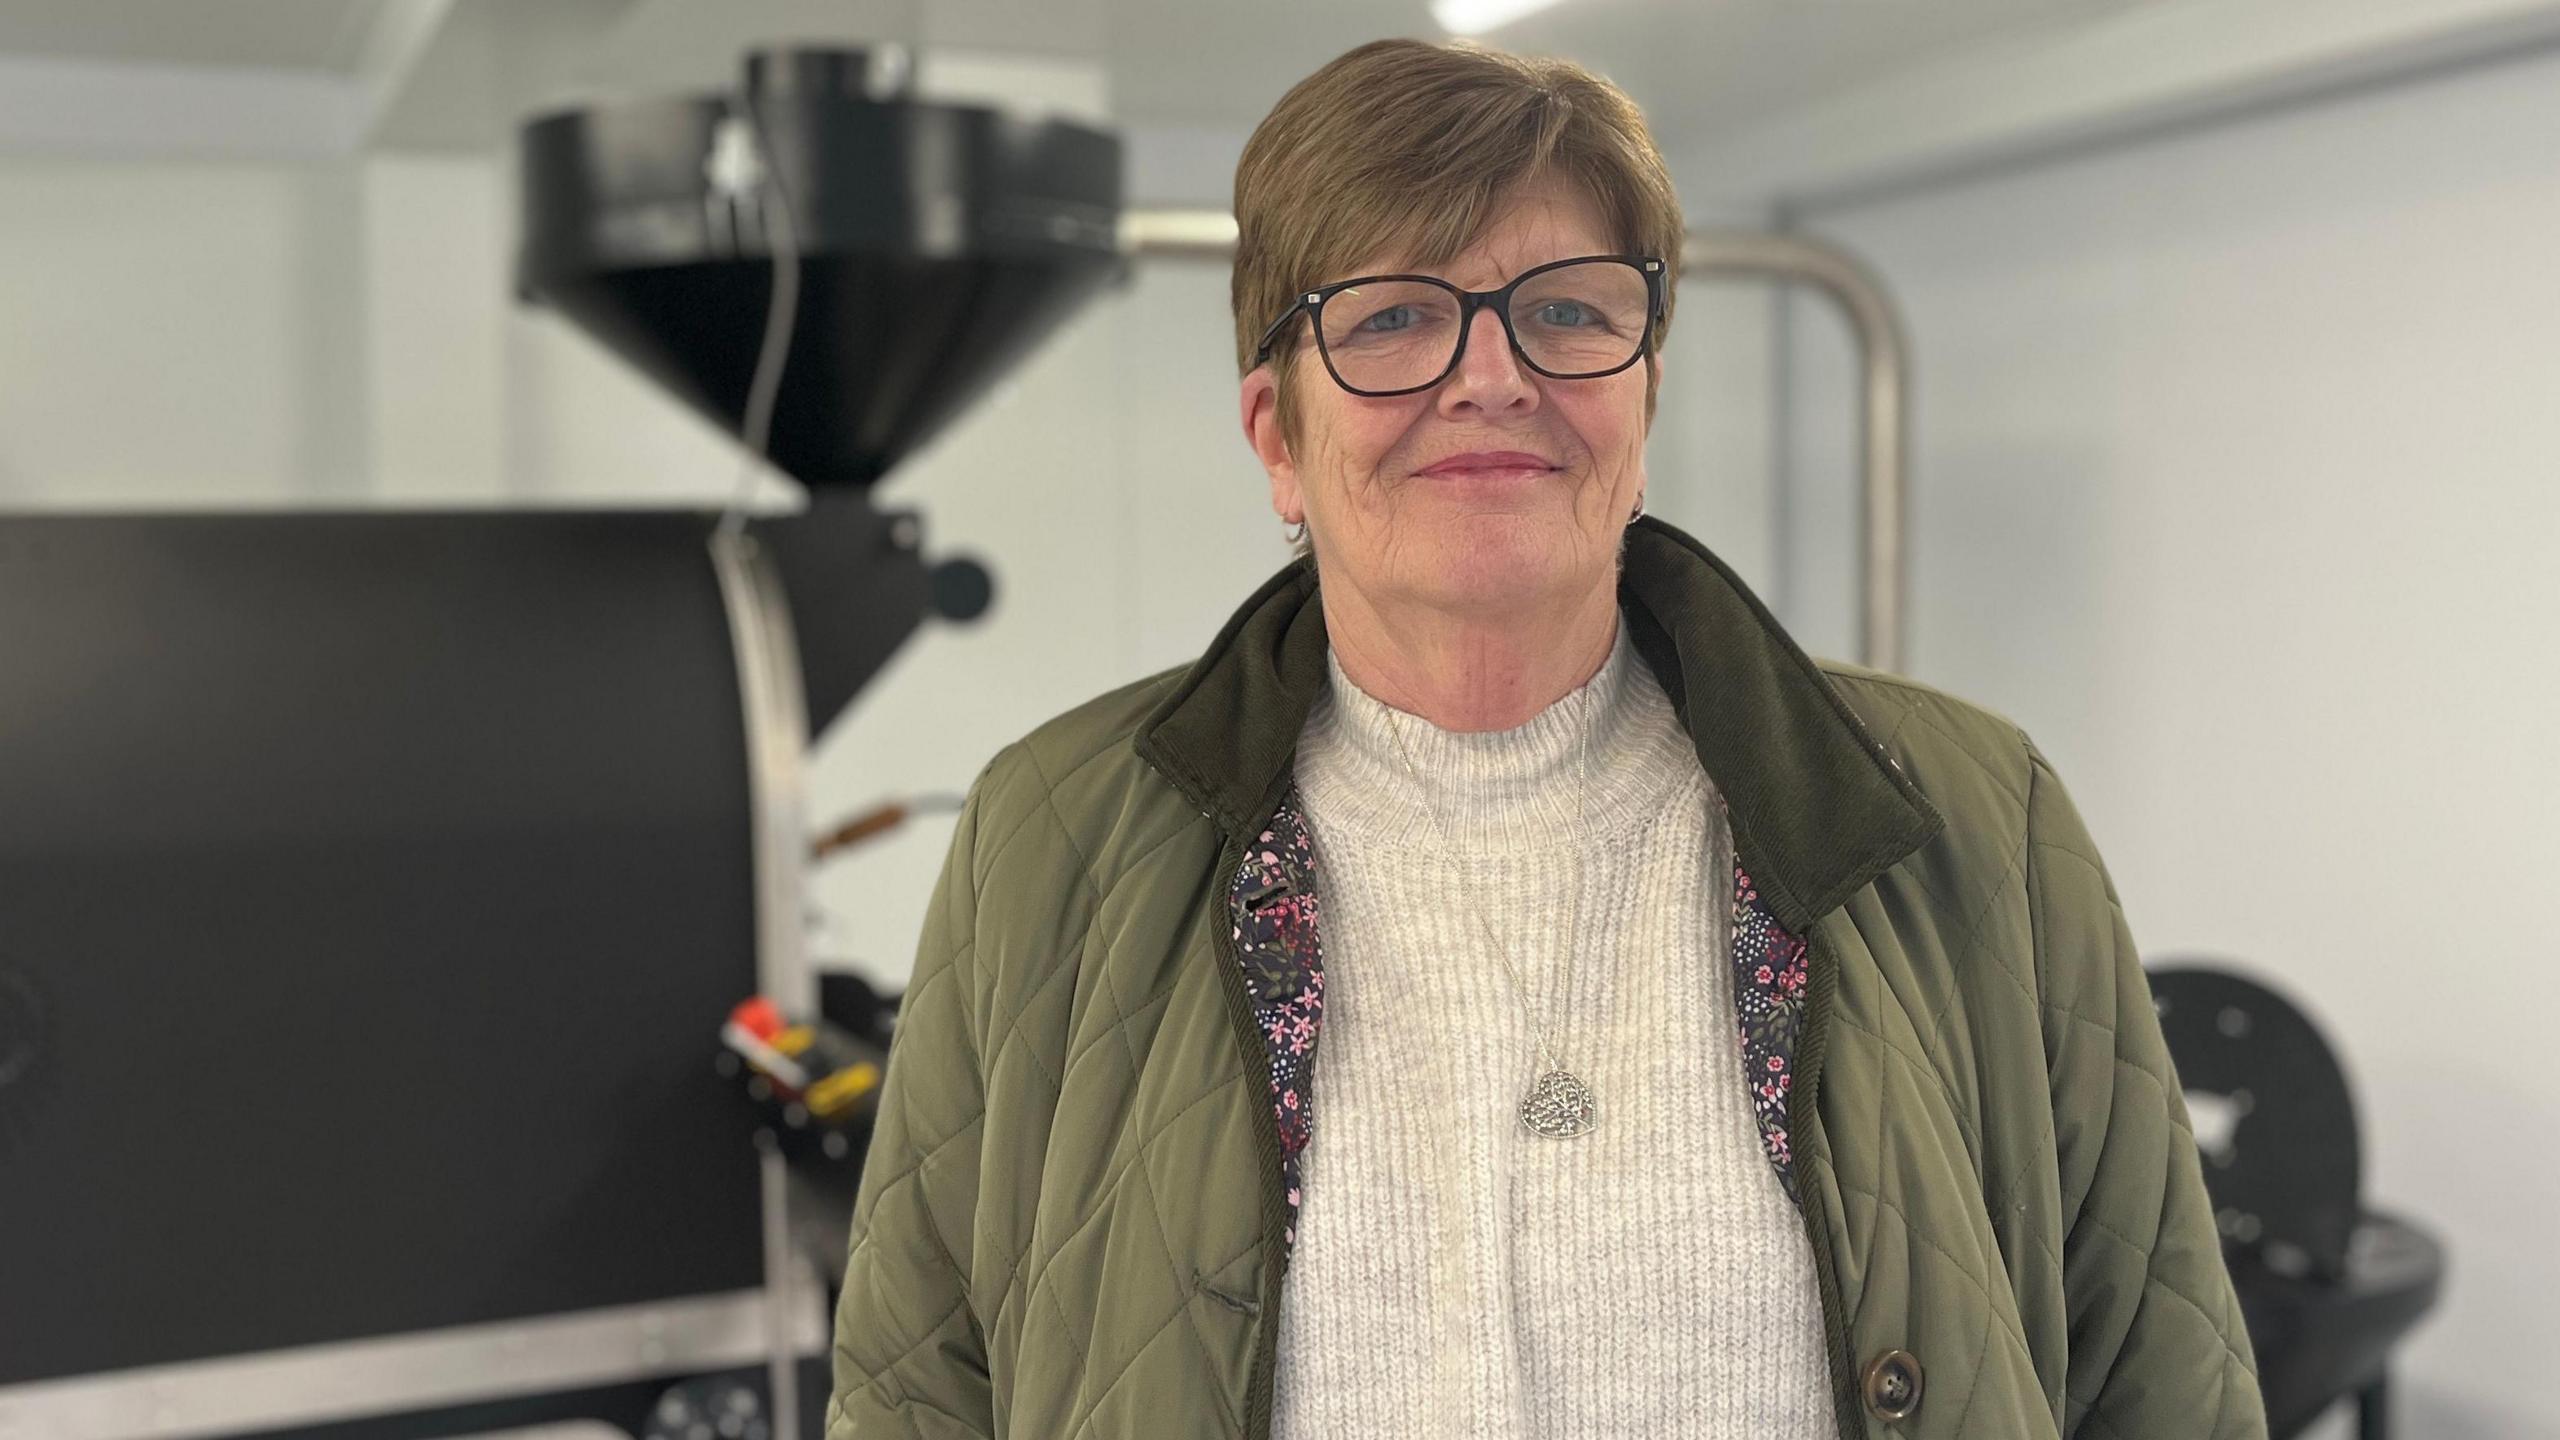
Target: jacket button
<point>1893,1385</point>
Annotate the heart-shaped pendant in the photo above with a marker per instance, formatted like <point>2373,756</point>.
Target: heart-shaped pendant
<point>1559,1107</point>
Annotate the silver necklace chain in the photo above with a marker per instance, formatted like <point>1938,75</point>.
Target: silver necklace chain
<point>1558,1104</point>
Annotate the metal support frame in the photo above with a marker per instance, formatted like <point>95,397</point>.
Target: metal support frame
<point>348,1380</point>
<point>777,728</point>
<point>1873,324</point>
<point>1885,379</point>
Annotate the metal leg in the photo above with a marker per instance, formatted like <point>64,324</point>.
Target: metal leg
<point>777,740</point>
<point>2373,1410</point>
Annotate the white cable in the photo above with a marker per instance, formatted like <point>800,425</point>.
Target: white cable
<point>782,241</point>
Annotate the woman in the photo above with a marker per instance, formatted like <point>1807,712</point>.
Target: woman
<point>1605,1020</point>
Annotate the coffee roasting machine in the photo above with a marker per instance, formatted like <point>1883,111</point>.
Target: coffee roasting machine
<point>376,880</point>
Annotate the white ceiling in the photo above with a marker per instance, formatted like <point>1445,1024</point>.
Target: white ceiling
<point>1759,101</point>
<point>1695,65</point>
<point>315,35</point>
<point>1692,64</point>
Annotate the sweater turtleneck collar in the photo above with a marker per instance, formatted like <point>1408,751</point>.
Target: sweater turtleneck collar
<point>1514,789</point>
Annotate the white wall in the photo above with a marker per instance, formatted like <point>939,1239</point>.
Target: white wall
<point>436,380</point>
<point>2235,486</point>
<point>175,333</point>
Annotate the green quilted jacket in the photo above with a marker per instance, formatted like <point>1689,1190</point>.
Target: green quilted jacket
<point>1076,1213</point>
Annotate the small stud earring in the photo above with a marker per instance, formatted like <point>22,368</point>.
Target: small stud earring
<point>1639,509</point>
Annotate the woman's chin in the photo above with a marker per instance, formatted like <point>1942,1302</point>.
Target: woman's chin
<point>1494,561</point>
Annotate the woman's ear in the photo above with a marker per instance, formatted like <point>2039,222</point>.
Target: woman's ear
<point>1259,405</point>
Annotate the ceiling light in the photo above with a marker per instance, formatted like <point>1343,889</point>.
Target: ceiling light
<point>1475,17</point>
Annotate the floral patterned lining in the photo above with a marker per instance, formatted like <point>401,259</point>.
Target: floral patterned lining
<point>1768,1000</point>
<point>1272,908</point>
<point>1272,912</point>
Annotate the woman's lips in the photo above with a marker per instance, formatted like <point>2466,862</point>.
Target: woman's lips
<point>1502,461</point>
<point>1481,477</point>
<point>1497,467</point>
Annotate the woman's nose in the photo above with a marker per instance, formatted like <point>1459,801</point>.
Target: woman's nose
<point>1488,373</point>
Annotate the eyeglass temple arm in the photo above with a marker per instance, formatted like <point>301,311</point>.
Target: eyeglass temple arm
<point>1262,352</point>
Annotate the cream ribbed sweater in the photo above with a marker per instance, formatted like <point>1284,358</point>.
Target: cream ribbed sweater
<point>1455,1275</point>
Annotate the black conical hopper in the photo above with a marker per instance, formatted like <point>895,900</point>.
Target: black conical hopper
<point>938,244</point>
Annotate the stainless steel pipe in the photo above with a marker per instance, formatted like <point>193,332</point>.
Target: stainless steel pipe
<point>1755,254</point>
<point>1883,444</point>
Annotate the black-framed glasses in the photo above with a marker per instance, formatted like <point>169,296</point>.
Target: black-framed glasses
<point>1576,319</point>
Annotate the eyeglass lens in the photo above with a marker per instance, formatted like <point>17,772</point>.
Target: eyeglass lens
<point>1581,319</point>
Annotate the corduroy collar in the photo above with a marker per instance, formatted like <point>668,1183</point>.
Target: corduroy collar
<point>1817,809</point>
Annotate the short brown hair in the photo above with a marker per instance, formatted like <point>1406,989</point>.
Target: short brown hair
<point>1405,147</point>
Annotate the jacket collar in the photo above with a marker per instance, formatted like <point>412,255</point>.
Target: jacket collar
<point>1817,808</point>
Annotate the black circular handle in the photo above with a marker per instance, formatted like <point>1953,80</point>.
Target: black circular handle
<point>962,589</point>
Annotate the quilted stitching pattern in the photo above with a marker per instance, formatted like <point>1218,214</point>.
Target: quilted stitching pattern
<point>1061,1228</point>
<point>949,1214</point>
<point>2065,1279</point>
